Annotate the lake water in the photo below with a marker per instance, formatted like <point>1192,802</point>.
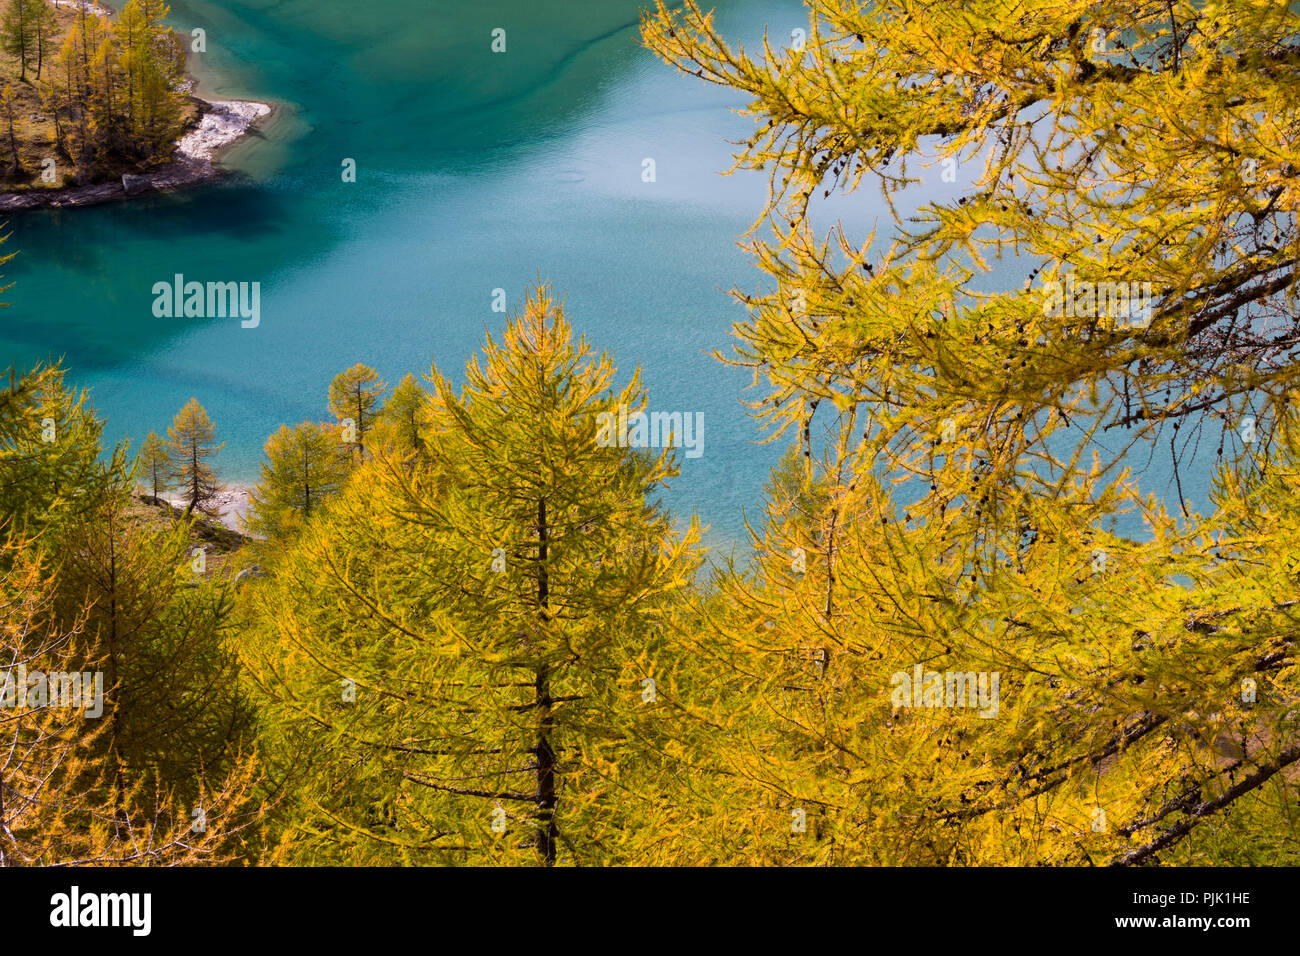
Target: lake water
<point>475,171</point>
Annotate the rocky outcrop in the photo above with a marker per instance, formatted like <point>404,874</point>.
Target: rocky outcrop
<point>131,185</point>
<point>222,122</point>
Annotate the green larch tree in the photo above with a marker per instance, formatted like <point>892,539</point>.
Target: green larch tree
<point>157,627</point>
<point>191,440</point>
<point>17,34</point>
<point>154,463</point>
<point>50,462</point>
<point>304,466</point>
<point>463,652</point>
<point>354,396</point>
<point>66,800</point>
<point>405,415</point>
<point>45,29</point>
<point>26,32</point>
<point>153,61</point>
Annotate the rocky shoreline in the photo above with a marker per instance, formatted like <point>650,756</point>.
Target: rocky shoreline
<point>222,123</point>
<point>229,507</point>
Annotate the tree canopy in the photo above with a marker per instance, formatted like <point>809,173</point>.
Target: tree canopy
<point>969,630</point>
<point>967,453</point>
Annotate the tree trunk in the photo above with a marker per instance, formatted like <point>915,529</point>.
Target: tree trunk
<point>547,833</point>
<point>115,722</point>
<point>194,478</point>
<point>22,42</point>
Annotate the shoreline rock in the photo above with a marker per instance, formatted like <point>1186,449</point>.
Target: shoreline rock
<point>222,123</point>
<point>88,4</point>
<point>230,505</point>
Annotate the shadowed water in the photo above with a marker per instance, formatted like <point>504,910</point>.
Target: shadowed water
<point>475,171</point>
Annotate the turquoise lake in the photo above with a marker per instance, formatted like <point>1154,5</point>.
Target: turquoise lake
<point>475,171</point>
